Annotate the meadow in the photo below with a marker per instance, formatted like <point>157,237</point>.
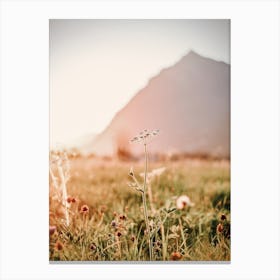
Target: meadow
<point>188,210</point>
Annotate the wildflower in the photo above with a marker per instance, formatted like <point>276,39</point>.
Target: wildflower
<point>223,217</point>
<point>71,199</point>
<point>145,136</point>
<point>114,223</point>
<point>58,246</point>
<point>158,243</point>
<point>175,256</point>
<point>220,228</point>
<point>93,247</point>
<point>122,217</point>
<point>84,209</point>
<point>119,234</point>
<point>183,201</point>
<point>52,230</point>
<point>132,238</point>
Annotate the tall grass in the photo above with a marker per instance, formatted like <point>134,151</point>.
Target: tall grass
<point>108,223</point>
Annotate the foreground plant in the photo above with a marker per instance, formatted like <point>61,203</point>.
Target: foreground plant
<point>59,164</point>
<point>144,138</point>
<point>150,176</point>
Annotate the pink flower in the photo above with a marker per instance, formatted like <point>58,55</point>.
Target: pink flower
<point>52,229</point>
<point>84,209</point>
<point>183,201</point>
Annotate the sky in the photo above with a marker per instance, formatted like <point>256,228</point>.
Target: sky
<point>97,66</point>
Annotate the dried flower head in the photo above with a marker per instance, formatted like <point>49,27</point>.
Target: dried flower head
<point>71,199</point>
<point>145,136</point>
<point>92,247</point>
<point>122,217</point>
<point>175,256</point>
<point>158,243</point>
<point>114,223</point>
<point>84,209</point>
<point>220,228</point>
<point>52,229</point>
<point>58,246</point>
<point>223,217</point>
<point>183,201</point>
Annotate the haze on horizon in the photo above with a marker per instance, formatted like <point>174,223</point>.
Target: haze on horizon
<point>97,66</point>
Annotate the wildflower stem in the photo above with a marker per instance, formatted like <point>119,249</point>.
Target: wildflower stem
<point>64,194</point>
<point>150,195</point>
<point>145,202</point>
<point>53,178</point>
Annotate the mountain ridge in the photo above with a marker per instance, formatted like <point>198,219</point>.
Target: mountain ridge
<point>179,80</point>
<point>189,53</point>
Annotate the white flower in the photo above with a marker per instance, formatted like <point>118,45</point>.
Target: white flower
<point>145,136</point>
<point>183,201</point>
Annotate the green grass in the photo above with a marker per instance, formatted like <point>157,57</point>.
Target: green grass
<point>189,234</point>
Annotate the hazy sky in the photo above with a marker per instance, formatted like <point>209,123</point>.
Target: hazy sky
<point>96,66</point>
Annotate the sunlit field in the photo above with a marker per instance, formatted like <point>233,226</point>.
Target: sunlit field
<point>97,213</point>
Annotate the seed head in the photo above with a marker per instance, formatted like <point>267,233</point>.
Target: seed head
<point>58,246</point>
<point>71,199</point>
<point>220,228</point>
<point>145,136</point>
<point>84,209</point>
<point>158,243</point>
<point>122,217</point>
<point>223,217</point>
<point>175,256</point>
<point>114,223</point>
<point>93,247</point>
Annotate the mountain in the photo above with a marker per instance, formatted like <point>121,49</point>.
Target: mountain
<point>188,102</point>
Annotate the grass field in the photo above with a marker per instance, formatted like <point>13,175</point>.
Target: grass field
<point>106,215</point>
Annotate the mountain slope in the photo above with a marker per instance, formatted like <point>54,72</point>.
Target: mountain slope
<point>189,103</point>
